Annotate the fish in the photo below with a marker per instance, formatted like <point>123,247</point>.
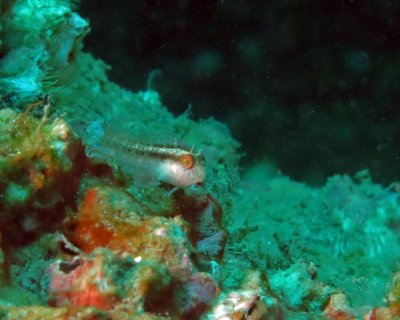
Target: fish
<point>152,164</point>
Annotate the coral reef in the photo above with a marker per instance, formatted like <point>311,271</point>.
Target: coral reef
<point>80,238</point>
<point>316,244</point>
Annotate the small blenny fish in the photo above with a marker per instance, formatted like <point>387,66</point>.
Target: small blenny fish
<point>151,164</point>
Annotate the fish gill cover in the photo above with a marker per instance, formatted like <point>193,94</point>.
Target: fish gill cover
<point>82,236</point>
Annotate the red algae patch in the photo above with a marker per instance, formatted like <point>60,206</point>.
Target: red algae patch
<point>104,219</point>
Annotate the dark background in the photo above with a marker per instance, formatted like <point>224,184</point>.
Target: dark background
<point>312,86</point>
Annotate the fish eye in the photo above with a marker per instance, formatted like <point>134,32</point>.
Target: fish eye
<point>186,161</point>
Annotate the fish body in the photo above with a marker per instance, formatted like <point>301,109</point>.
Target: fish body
<point>151,164</point>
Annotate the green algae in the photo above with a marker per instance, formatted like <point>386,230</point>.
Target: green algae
<point>28,268</point>
<point>33,156</point>
<point>288,224</point>
<point>16,194</point>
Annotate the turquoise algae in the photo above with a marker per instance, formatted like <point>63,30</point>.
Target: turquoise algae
<point>79,238</point>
